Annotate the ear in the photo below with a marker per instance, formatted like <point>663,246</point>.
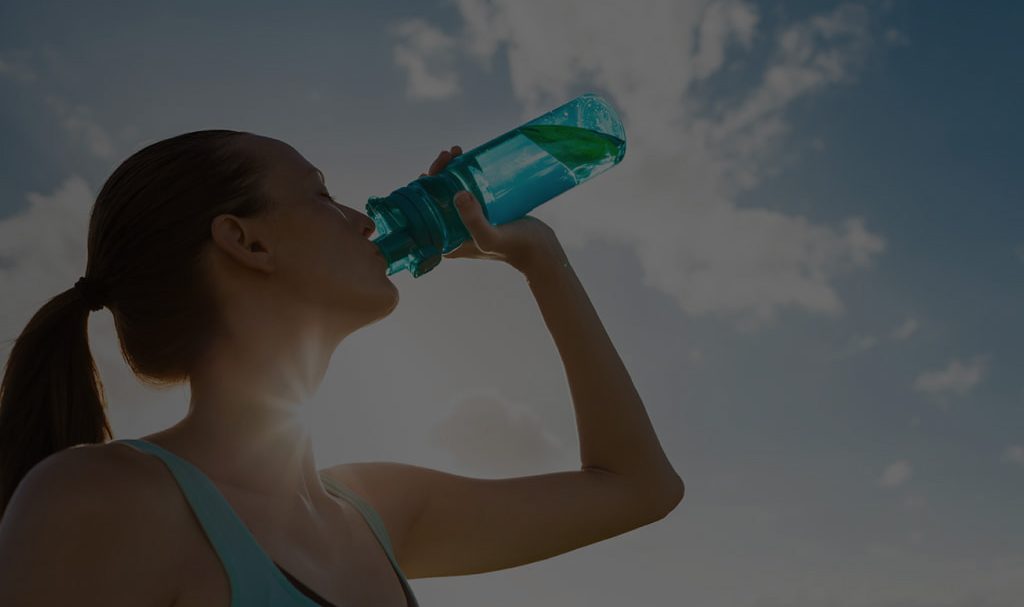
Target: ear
<point>240,239</point>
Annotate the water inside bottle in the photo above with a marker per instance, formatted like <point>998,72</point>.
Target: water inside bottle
<point>532,164</point>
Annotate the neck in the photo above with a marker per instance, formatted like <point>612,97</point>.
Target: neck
<point>248,419</point>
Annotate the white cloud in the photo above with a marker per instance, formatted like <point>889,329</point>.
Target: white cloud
<point>80,126</point>
<point>491,436</point>
<point>957,377</point>
<point>863,343</point>
<point>689,153</point>
<point>895,474</point>
<point>1014,454</point>
<point>426,53</point>
<point>721,23</point>
<point>823,50</point>
<point>77,120</point>
<point>43,248</point>
<point>905,330</point>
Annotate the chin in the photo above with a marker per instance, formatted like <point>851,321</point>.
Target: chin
<point>394,300</point>
<point>384,301</point>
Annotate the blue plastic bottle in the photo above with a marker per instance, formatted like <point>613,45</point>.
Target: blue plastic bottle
<point>510,176</point>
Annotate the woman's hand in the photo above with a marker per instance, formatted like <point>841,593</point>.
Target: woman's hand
<point>520,243</point>
<point>442,161</point>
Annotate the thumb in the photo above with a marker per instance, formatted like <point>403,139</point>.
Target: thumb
<point>462,200</point>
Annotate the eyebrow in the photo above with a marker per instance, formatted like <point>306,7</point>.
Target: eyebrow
<point>317,171</point>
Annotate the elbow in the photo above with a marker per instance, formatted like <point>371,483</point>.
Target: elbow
<point>665,496</point>
<point>676,491</point>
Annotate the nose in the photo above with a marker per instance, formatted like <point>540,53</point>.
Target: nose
<point>367,224</point>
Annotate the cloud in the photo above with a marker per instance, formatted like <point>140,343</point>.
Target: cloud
<point>691,150</point>
<point>426,53</point>
<point>823,50</point>
<point>13,64</point>
<point>492,436</point>
<point>896,474</point>
<point>863,343</point>
<point>1014,454</point>
<point>42,248</point>
<point>80,126</point>
<point>905,330</point>
<point>76,120</point>
<point>722,23</point>
<point>957,377</point>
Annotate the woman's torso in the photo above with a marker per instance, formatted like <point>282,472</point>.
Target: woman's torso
<point>338,557</point>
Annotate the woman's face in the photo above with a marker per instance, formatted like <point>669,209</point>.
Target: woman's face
<point>321,248</point>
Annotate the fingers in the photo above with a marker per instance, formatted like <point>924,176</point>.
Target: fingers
<point>442,160</point>
<point>437,165</point>
<point>472,216</point>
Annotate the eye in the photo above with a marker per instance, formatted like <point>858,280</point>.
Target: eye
<point>329,197</point>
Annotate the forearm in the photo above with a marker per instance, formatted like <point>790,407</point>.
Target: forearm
<point>615,433</point>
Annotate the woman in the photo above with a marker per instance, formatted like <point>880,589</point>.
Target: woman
<point>226,264</point>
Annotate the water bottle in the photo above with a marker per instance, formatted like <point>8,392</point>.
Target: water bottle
<point>509,175</point>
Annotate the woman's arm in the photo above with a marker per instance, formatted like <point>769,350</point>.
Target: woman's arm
<point>615,433</point>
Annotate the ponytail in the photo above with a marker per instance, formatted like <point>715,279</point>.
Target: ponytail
<point>51,396</point>
<point>149,231</point>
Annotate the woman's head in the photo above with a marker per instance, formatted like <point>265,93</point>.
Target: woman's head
<point>183,233</point>
<point>309,257</point>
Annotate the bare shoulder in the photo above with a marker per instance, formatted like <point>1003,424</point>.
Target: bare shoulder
<point>88,518</point>
<point>102,477</point>
<point>94,479</point>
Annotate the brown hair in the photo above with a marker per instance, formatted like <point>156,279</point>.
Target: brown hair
<point>148,231</point>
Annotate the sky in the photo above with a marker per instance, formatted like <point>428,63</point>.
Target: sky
<point>810,261</point>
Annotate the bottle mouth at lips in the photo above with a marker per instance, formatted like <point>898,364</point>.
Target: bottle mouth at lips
<point>379,254</point>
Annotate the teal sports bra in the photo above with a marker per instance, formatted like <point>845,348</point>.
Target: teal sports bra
<point>255,579</point>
